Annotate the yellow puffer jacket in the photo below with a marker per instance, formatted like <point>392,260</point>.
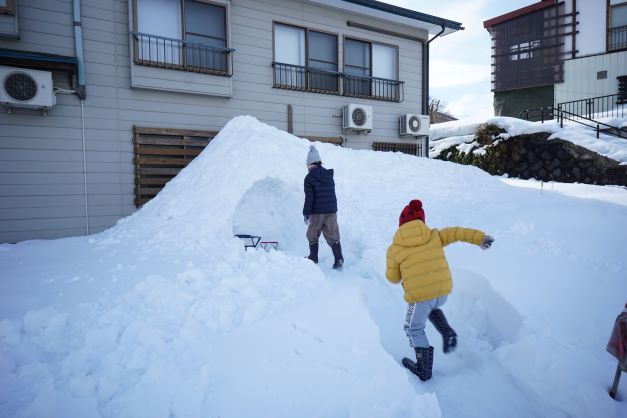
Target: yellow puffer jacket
<point>417,256</point>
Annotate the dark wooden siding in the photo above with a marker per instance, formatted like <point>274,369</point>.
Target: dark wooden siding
<point>160,154</point>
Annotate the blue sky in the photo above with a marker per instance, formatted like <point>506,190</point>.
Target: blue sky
<point>460,62</point>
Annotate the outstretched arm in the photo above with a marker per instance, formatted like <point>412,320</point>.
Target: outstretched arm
<point>392,270</point>
<point>456,233</point>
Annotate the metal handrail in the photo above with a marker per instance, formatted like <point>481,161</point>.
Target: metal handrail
<point>561,114</point>
<point>601,106</point>
<point>299,77</point>
<point>179,54</point>
<point>573,117</point>
<point>544,112</point>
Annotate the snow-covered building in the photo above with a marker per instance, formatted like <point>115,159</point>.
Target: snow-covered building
<point>553,52</point>
<point>106,100</point>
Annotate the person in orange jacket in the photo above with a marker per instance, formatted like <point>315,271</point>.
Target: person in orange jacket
<point>416,258</point>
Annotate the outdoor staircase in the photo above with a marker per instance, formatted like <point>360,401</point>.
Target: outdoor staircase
<point>587,112</point>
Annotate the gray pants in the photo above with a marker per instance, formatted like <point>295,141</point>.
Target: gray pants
<point>416,319</point>
<point>325,223</point>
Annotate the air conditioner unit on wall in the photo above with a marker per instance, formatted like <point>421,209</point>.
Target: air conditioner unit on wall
<point>357,118</point>
<point>21,87</point>
<point>414,125</point>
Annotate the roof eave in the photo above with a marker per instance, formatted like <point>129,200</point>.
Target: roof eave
<point>395,14</point>
<point>487,24</point>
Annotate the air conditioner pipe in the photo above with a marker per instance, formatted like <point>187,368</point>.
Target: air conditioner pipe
<point>425,80</point>
<point>78,45</point>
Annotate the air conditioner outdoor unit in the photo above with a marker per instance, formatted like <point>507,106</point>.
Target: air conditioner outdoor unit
<point>357,118</point>
<point>414,125</point>
<point>26,88</point>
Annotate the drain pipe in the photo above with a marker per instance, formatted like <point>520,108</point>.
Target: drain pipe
<point>78,46</point>
<point>425,80</point>
<point>81,93</point>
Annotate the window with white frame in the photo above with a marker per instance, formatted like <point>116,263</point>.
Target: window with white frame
<point>181,34</point>
<point>7,7</point>
<point>617,30</point>
<point>523,50</point>
<point>305,59</point>
<point>371,69</point>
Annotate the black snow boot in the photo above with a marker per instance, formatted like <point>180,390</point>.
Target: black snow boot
<point>423,365</point>
<point>313,252</point>
<point>337,254</point>
<point>449,337</point>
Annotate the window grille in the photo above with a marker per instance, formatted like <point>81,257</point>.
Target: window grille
<point>411,148</point>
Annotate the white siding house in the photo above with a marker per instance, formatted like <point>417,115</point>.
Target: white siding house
<point>601,51</point>
<point>125,72</point>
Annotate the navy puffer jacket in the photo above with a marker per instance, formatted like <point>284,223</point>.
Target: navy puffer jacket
<point>319,192</point>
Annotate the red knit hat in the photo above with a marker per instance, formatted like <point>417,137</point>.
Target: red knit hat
<point>412,212</point>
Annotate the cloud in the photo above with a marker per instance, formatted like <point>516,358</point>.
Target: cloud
<point>472,106</point>
<point>445,73</point>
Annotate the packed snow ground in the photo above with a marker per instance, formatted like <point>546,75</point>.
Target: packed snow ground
<point>166,315</point>
<point>462,133</point>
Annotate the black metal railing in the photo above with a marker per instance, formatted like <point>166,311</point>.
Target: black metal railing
<point>585,112</point>
<point>595,107</point>
<point>301,78</point>
<point>591,123</point>
<point>297,77</point>
<point>622,89</point>
<point>539,114</point>
<point>162,52</point>
<point>405,148</point>
<point>373,88</point>
<point>617,38</point>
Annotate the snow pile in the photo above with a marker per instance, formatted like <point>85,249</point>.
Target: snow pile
<point>455,133</point>
<point>166,314</point>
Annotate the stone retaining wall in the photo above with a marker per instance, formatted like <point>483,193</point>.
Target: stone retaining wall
<point>533,156</point>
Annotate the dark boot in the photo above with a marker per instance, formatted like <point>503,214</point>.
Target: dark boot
<point>449,337</point>
<point>423,365</point>
<point>337,254</point>
<point>313,252</point>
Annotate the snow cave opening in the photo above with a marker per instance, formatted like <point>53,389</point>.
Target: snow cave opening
<point>272,209</point>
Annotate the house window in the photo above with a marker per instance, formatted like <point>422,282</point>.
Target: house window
<point>617,31</point>
<point>357,66</point>
<point>371,70</point>
<point>7,7</point>
<point>181,34</point>
<point>305,59</point>
<point>523,51</point>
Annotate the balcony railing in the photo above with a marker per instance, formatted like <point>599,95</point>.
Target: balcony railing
<point>301,78</point>
<point>617,38</point>
<point>177,54</point>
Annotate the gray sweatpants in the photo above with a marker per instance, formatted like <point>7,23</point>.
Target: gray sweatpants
<point>325,223</point>
<point>416,319</point>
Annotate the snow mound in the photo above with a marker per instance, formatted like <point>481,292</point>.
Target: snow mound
<point>167,315</point>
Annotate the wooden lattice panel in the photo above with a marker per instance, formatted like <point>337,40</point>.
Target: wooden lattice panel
<point>160,154</point>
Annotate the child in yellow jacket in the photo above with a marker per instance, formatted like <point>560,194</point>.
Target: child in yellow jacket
<point>416,258</point>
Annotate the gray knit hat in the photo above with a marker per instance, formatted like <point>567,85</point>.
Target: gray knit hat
<point>313,156</point>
